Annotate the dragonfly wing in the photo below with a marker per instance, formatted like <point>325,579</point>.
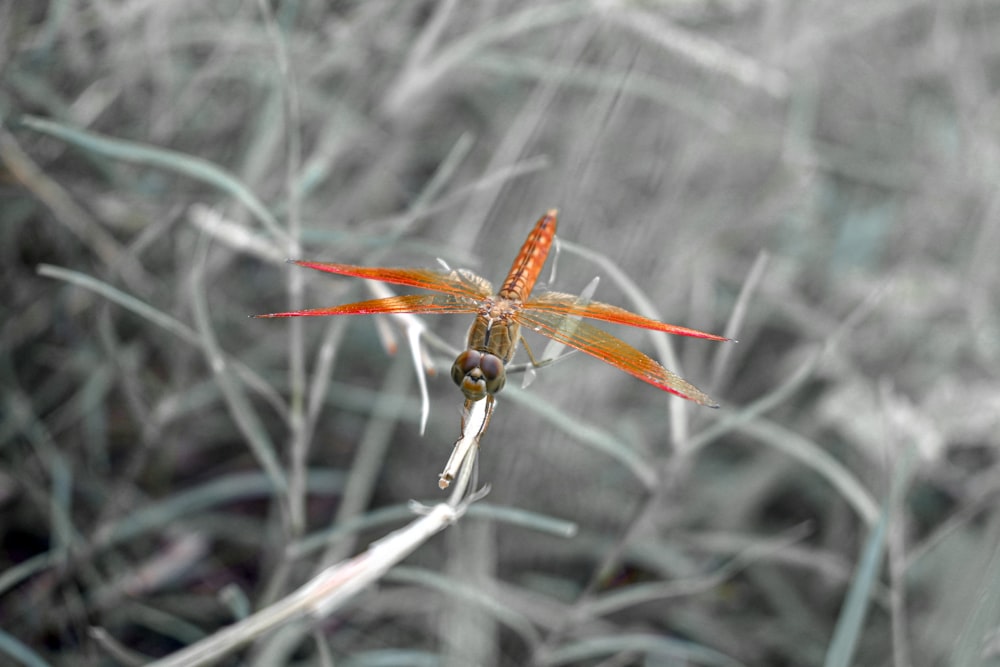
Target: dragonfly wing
<point>407,303</point>
<point>568,305</point>
<point>449,282</point>
<point>609,349</point>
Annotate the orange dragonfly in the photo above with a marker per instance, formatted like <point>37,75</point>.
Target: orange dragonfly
<point>480,370</point>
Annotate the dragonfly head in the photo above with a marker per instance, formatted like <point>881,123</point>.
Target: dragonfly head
<point>478,374</point>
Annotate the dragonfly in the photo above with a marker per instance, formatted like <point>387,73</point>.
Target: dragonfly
<point>500,316</point>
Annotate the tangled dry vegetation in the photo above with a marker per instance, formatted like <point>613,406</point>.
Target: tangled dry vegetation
<point>818,179</point>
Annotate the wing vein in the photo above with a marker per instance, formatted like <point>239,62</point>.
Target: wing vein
<point>612,350</point>
<point>448,282</point>
<point>436,304</point>
<point>568,305</point>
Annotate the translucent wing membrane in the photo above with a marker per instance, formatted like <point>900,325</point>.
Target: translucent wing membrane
<point>609,349</point>
<point>449,282</point>
<point>567,305</point>
<point>552,314</point>
<point>408,303</point>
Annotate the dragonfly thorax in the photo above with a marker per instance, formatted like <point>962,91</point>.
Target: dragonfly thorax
<point>478,374</point>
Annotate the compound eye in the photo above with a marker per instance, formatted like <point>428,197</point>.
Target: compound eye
<point>493,372</point>
<point>464,363</point>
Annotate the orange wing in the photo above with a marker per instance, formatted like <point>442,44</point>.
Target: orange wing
<point>456,283</point>
<point>460,291</point>
<point>609,349</point>
<point>407,303</point>
<point>568,305</point>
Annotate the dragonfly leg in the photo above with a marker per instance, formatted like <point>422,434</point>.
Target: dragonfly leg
<point>534,362</point>
<point>529,369</point>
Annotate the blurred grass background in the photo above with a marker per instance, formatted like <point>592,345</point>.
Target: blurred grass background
<point>835,162</point>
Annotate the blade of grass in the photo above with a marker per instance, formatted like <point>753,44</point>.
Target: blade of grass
<point>219,491</point>
<point>393,657</point>
<point>157,317</point>
<point>58,469</point>
<point>816,458</point>
<point>607,603</point>
<point>722,363</point>
<point>235,235</point>
<point>240,407</point>
<point>298,435</point>
<point>852,616</point>
<point>88,229</point>
<point>161,319</point>
<point>423,70</point>
<point>679,422</point>
<point>12,647</point>
<point>12,576</point>
<point>850,623</point>
<point>369,456</point>
<point>977,644</point>
<point>712,55</point>
<point>531,520</point>
<point>181,163</point>
<point>324,593</point>
<point>479,596</point>
<point>319,387</point>
<point>631,644</point>
<point>395,513</point>
<point>591,78</point>
<point>444,172</point>
<point>586,433</point>
<point>735,419</point>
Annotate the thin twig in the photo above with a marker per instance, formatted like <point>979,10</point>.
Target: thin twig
<point>85,227</point>
<point>298,445</point>
<point>328,591</point>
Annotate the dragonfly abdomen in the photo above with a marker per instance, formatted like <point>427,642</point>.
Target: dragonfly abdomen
<point>527,266</point>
